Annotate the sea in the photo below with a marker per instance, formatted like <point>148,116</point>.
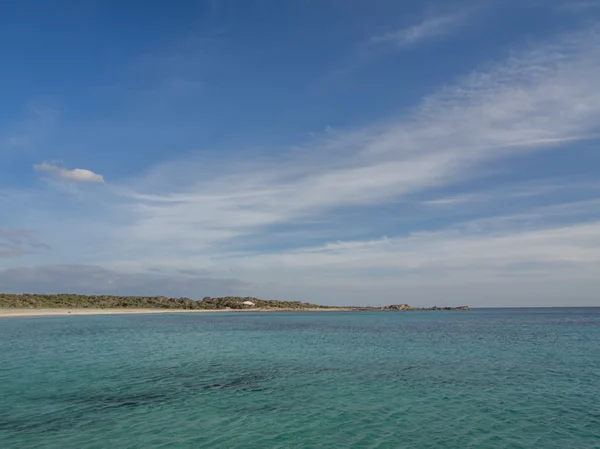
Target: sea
<point>486,378</point>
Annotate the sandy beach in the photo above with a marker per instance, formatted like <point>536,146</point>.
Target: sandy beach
<point>7,313</point>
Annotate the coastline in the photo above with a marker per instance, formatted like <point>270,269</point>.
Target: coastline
<point>9,312</point>
<point>62,304</point>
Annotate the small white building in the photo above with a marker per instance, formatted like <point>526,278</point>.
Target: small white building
<point>248,303</point>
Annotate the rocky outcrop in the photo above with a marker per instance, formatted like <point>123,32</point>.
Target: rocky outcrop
<point>399,307</point>
<point>409,307</point>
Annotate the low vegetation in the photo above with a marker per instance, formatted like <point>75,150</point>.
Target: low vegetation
<point>53,301</point>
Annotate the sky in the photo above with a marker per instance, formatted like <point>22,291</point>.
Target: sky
<point>334,151</point>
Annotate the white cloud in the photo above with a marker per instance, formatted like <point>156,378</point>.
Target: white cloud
<point>429,28</point>
<point>77,174</point>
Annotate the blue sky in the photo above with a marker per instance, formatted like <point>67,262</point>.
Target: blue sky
<point>343,152</point>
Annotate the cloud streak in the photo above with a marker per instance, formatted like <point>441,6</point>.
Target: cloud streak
<point>540,100</point>
<point>18,242</point>
<point>77,174</point>
<point>433,27</point>
<point>90,279</point>
<point>458,253</point>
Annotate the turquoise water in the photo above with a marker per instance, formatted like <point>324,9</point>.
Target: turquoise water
<point>513,378</point>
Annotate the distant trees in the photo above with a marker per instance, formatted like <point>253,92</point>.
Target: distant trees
<point>67,300</point>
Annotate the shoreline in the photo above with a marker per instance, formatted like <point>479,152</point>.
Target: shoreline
<point>9,312</point>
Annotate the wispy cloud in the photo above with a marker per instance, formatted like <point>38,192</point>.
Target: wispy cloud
<point>579,6</point>
<point>542,99</point>
<point>519,251</point>
<point>514,192</point>
<point>456,253</point>
<point>76,174</point>
<point>18,242</point>
<point>92,279</point>
<point>429,28</point>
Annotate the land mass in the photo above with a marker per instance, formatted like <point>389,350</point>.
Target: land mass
<point>65,300</point>
<point>56,304</point>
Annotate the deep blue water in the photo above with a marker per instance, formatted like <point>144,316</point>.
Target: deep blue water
<point>503,378</point>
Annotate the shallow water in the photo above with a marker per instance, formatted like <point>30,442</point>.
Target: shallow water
<point>504,378</point>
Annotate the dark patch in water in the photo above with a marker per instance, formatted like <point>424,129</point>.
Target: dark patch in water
<point>266,408</point>
<point>245,382</point>
<point>129,400</point>
<point>169,385</point>
<point>94,401</point>
<point>87,407</point>
<point>37,424</point>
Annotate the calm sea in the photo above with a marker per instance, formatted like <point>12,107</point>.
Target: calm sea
<point>511,378</point>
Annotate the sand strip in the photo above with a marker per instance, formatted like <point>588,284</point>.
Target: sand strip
<point>6,313</point>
